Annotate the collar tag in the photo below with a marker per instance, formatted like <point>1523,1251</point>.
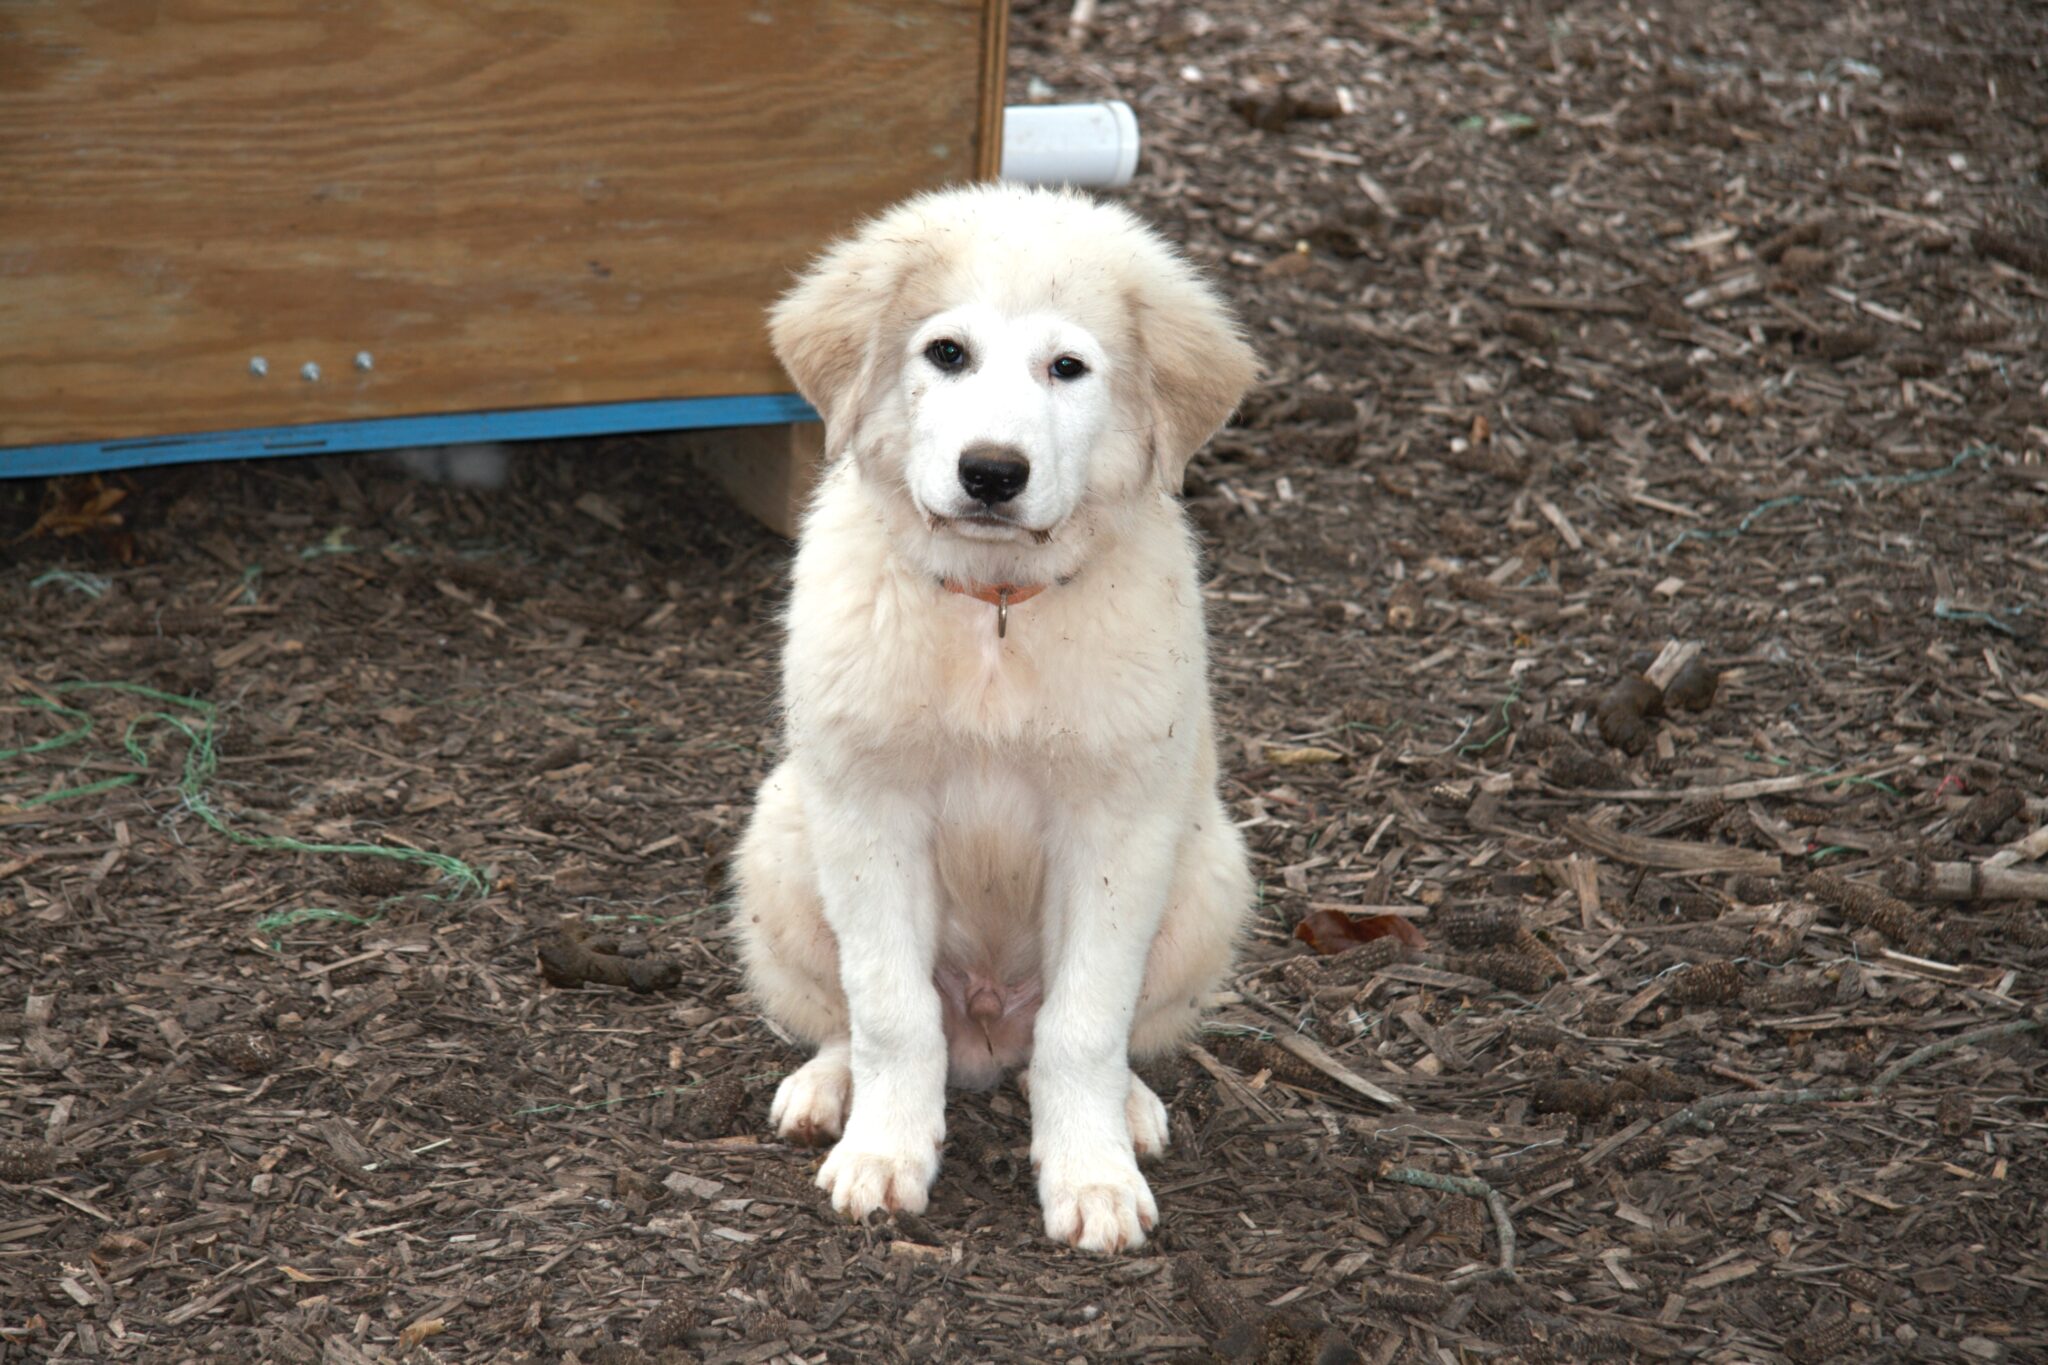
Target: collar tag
<point>997,595</point>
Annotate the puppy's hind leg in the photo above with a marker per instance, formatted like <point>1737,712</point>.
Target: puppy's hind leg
<point>1205,914</point>
<point>792,962</point>
<point>1147,1116</point>
<point>811,1103</point>
<point>1212,893</point>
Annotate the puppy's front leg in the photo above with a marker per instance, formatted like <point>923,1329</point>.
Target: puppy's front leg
<point>880,898</point>
<point>1105,895</point>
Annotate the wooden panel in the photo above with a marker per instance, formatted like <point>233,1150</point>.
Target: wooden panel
<point>504,204</point>
<point>767,470</point>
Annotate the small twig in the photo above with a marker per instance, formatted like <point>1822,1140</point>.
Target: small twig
<point>1827,1095</point>
<point>1232,1084</point>
<point>2025,850</point>
<point>1919,1055</point>
<point>1503,1225</point>
<point>1307,1051</point>
<point>1671,661</point>
<point>1675,855</point>
<point>1730,1099</point>
<point>1971,882</point>
<point>1729,791</point>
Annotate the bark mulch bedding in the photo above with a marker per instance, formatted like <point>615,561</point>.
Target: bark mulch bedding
<point>363,990</point>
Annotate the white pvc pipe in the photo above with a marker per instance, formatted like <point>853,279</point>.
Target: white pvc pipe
<point>1090,145</point>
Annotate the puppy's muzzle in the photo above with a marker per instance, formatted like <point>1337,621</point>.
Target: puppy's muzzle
<point>993,474</point>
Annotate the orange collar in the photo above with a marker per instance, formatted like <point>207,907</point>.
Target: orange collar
<point>1001,596</point>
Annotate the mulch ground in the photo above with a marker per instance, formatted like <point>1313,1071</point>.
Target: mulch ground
<point>1598,335</point>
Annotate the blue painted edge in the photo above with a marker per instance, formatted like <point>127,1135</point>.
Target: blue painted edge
<point>390,433</point>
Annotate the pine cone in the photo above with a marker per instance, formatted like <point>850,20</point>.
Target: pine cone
<point>1707,983</point>
<point>1405,1299</point>
<point>249,1052</point>
<point>1582,1099</point>
<point>713,1108</point>
<point>1867,907</point>
<point>1252,1055</point>
<point>1785,995</point>
<point>27,1160</point>
<point>1505,967</point>
<point>376,877</point>
<point>1821,1339</point>
<point>1577,770</point>
<point>1659,1083</point>
<point>1986,813</point>
<point>1471,928</point>
<point>1751,889</point>
<point>671,1321</point>
<point>1639,1153</point>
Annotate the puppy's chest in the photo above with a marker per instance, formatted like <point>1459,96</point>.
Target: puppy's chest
<point>1045,692</point>
<point>926,679</point>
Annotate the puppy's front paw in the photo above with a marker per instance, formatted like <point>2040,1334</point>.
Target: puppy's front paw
<point>1097,1202</point>
<point>872,1169</point>
<point>810,1104</point>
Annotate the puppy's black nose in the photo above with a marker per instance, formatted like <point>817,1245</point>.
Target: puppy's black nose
<point>993,474</point>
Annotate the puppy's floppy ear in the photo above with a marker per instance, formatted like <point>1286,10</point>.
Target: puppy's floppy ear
<point>825,329</point>
<point>1198,362</point>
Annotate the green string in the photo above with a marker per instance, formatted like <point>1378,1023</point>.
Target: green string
<point>69,737</point>
<point>1973,452</point>
<point>91,584</point>
<point>285,919</point>
<point>201,763</point>
<point>1507,723</point>
<point>601,1104</point>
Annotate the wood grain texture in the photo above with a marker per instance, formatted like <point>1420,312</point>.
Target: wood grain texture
<point>506,205</point>
<point>766,470</point>
<point>995,58</point>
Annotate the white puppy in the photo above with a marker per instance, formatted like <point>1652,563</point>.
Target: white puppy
<point>997,838</point>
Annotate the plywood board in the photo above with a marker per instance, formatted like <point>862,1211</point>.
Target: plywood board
<point>768,470</point>
<point>498,205</point>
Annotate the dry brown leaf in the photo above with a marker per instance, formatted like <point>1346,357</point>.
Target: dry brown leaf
<point>1330,932</point>
<point>1301,757</point>
<point>75,507</point>
<point>420,1331</point>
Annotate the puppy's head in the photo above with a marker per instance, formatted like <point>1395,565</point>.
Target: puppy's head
<point>1013,370</point>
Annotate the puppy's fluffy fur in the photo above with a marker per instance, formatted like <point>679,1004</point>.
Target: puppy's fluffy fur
<point>981,852</point>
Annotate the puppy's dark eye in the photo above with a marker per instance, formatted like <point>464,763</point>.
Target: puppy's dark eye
<point>946,353</point>
<point>1068,367</point>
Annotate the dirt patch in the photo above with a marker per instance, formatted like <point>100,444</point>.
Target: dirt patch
<point>1588,330</point>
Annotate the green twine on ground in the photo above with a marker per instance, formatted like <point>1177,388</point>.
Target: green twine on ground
<point>1885,787</point>
<point>600,1104</point>
<point>201,763</point>
<point>1507,724</point>
<point>285,919</point>
<point>91,584</point>
<point>1945,610</point>
<point>1973,452</point>
<point>1850,780</point>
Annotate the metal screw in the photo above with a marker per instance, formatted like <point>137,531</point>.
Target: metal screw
<point>258,366</point>
<point>365,361</point>
<point>310,372</point>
